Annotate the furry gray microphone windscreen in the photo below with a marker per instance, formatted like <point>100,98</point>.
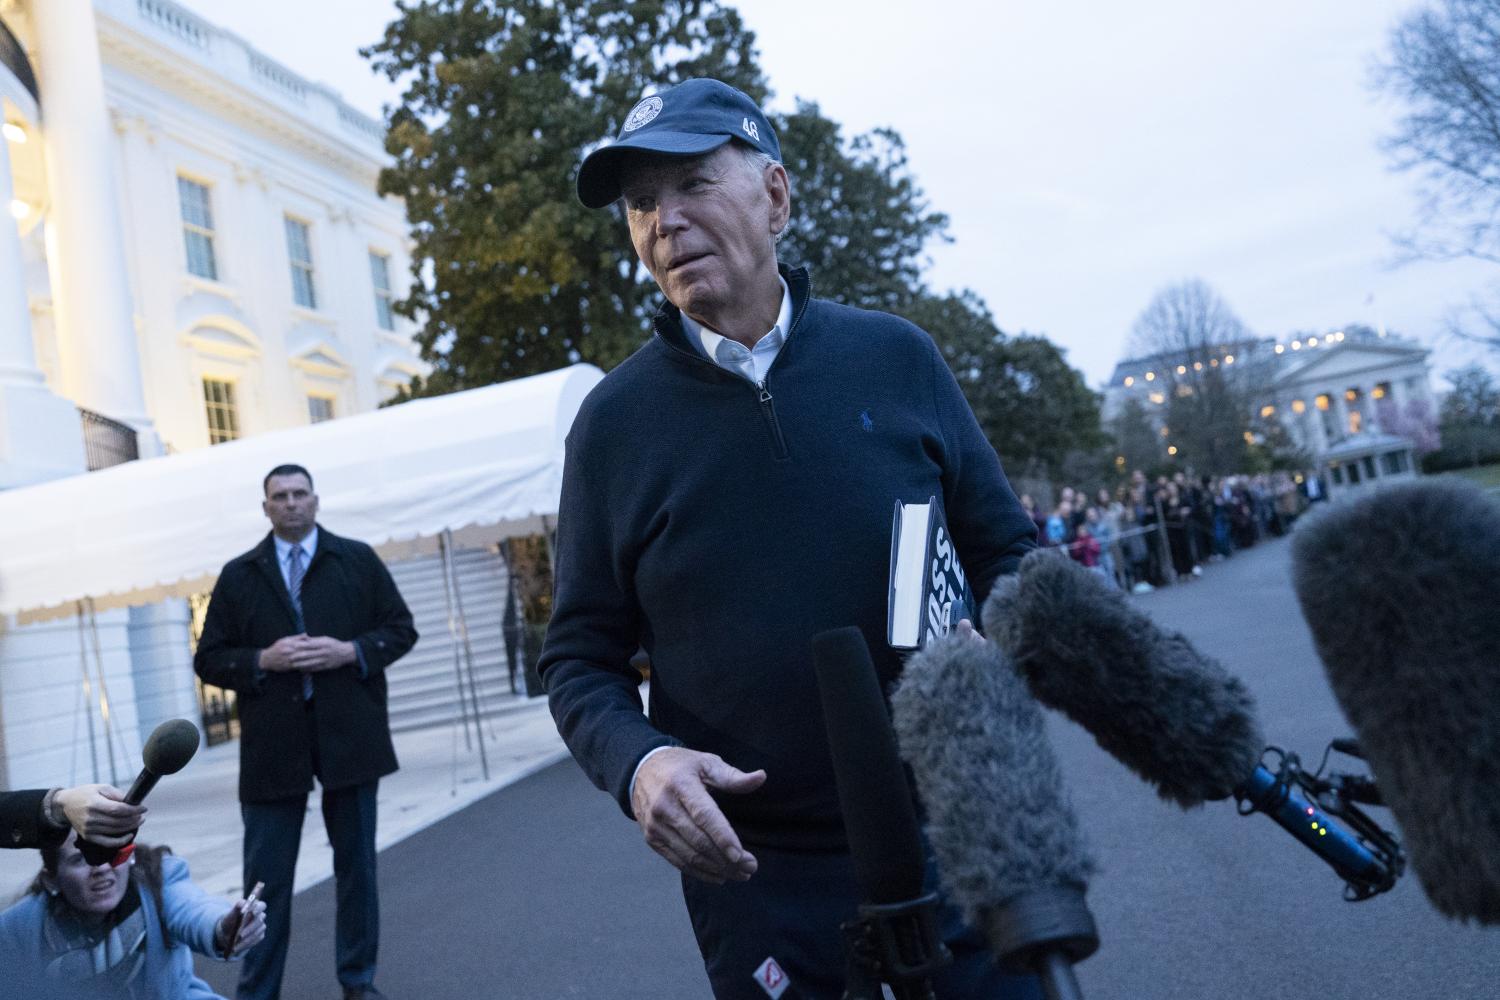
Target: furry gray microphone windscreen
<point>1171,714</point>
<point>1400,590</point>
<point>998,819</point>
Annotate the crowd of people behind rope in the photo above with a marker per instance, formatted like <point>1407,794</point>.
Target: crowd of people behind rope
<point>1118,533</point>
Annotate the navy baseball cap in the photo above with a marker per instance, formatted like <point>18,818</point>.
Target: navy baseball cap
<point>690,119</point>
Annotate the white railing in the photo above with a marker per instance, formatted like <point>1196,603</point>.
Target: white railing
<point>352,119</point>
<point>279,77</point>
<point>175,21</point>
<point>221,51</point>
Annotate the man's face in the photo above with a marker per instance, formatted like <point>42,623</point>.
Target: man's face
<point>291,505</point>
<point>705,226</point>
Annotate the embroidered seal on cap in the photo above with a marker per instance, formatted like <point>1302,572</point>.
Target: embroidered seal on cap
<point>642,114</point>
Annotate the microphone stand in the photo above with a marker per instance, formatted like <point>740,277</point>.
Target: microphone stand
<point>896,944</point>
<point>1056,974</point>
<point>1044,931</point>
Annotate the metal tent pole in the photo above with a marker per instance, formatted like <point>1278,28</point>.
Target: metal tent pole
<point>109,747</point>
<point>88,693</point>
<point>547,533</point>
<point>463,630</point>
<point>458,673</point>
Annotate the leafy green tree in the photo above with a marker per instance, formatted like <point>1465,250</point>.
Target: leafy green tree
<point>1270,446</point>
<point>1136,439</point>
<point>1469,419</point>
<point>512,276</point>
<point>859,221</point>
<point>1034,408</point>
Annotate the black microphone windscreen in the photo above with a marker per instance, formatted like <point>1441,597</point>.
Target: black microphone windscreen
<point>170,746</point>
<point>998,819</point>
<point>879,816</point>
<point>1399,588</point>
<point>1168,712</point>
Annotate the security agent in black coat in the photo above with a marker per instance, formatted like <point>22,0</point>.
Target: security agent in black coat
<point>309,672</point>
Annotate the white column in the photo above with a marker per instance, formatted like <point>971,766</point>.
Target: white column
<point>17,352</point>
<point>40,436</point>
<point>95,319</point>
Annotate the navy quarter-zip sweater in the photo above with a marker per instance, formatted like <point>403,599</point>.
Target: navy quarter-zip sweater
<point>721,525</point>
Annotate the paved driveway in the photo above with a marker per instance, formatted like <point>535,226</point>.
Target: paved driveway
<point>544,890</point>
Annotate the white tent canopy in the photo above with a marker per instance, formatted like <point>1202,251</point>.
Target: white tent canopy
<point>485,464</point>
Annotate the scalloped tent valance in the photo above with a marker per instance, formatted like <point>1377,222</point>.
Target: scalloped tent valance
<point>485,464</point>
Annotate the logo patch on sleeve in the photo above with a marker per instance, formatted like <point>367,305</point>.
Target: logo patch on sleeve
<point>772,979</point>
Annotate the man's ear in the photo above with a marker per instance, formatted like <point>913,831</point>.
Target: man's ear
<point>779,190</point>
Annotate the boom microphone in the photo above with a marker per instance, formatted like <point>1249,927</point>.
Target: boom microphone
<point>1399,590</point>
<point>1005,835</point>
<point>896,940</point>
<point>1174,716</point>
<point>168,749</point>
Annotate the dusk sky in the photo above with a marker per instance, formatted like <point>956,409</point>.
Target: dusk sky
<point>1087,154</point>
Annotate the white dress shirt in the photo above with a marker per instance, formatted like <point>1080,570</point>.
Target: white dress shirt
<point>308,545</point>
<point>731,355</point>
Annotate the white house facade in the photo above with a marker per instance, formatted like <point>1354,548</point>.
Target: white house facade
<point>192,250</point>
<point>1325,389</point>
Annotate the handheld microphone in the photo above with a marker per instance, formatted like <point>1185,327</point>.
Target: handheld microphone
<point>1172,715</point>
<point>895,939</point>
<point>168,749</point>
<point>1399,589</point>
<point>1003,829</point>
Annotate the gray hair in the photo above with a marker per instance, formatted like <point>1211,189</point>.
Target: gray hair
<point>757,162</point>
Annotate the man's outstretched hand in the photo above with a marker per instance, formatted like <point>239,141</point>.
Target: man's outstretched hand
<point>99,813</point>
<point>680,819</point>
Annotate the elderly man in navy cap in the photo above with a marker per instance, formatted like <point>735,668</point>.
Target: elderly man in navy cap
<point>727,495</point>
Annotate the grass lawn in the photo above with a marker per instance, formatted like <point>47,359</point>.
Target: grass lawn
<point>1485,475</point>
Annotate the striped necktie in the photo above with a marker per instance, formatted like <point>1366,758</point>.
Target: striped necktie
<point>295,572</point>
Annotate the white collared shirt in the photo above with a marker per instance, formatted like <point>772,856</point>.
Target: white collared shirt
<point>308,545</point>
<point>731,355</point>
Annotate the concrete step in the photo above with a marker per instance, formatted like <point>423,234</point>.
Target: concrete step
<point>423,690</point>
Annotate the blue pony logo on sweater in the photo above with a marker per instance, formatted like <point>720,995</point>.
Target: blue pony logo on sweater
<point>865,421</point>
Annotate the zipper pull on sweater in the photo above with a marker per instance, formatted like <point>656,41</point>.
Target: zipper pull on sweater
<point>768,408</point>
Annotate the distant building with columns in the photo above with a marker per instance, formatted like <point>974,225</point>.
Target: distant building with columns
<point>1330,391</point>
<point>192,250</point>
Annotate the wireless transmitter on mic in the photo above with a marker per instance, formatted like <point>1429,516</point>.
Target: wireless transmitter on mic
<point>1171,714</point>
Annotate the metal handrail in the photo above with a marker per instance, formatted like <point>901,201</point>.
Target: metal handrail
<point>107,442</point>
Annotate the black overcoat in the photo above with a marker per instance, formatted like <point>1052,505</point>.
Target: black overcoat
<point>21,820</point>
<point>347,593</point>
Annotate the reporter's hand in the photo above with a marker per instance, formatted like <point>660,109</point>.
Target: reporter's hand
<point>252,929</point>
<point>966,627</point>
<point>99,813</point>
<point>680,819</point>
<point>322,652</point>
<point>277,657</point>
